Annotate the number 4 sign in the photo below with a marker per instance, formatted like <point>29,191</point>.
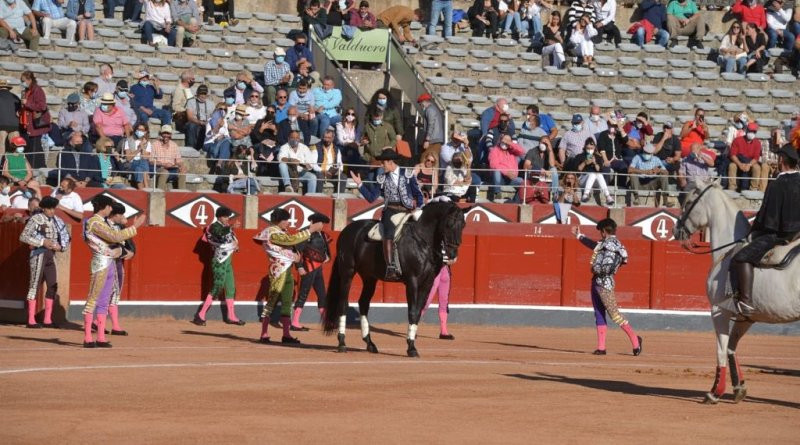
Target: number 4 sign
<point>658,226</point>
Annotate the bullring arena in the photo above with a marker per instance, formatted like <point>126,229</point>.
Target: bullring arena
<point>520,368</point>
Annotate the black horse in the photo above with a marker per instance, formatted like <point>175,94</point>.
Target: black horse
<point>423,247</point>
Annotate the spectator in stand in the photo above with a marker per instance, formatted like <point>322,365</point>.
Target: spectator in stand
<point>398,18</point>
<point>264,137</point>
<point>69,202</point>
<point>313,15</point>
<point>242,88</point>
<point>574,140</point>
<point>299,53</point>
<point>750,11</point>
<point>596,122</point>
<point>132,11</point>
<point>504,162</point>
<point>144,94</point>
<point>746,167</point>
<point>239,128</point>
<point>590,163</point>
<point>82,11</point>
<point>13,25</point>
<point>108,160</point>
<point>648,172</point>
<point>295,165</point>
<point>484,18</point>
<point>240,170</point>
<point>458,179</point>
<point>34,118</point>
<point>490,119</point>
<point>376,136</point>
<point>736,128</point>
<point>226,8</point>
<point>685,19</point>
<point>281,105</point>
<point>696,166</point>
<point>255,108</point>
<point>433,124</point>
<point>504,127</point>
<point>110,121</point>
<point>286,126</point>
<point>17,168</point>
<point>606,27</point>
<point>793,59</point>
<point>52,16</point>
<point>757,55</point>
<point>546,122</point>
<point>363,19</point>
<point>553,50</point>
<point>303,100</point>
<point>337,13</point>
<point>383,101</point>
<point>348,136</point>
<point>327,100</point>
<point>440,9</point>
<point>458,145</point>
<point>532,17</point>
<point>780,25</point>
<point>303,74</point>
<point>198,110</point>
<point>427,173</point>
<point>89,98</point>
<point>72,118</point>
<point>158,20</point>
<point>105,81</point>
<point>732,50</point>
<point>277,74</point>
<point>329,160</point>
<point>72,162</point>
<point>138,150</point>
<point>577,9</point>
<point>694,131</point>
<point>217,141</point>
<point>637,133</point>
<point>123,100</point>
<point>542,159</point>
<point>183,92</point>
<point>531,133</point>
<point>668,148</point>
<point>582,35</point>
<point>612,144</point>
<point>653,24</point>
<point>513,17</point>
<point>109,6</point>
<point>10,106</point>
<point>168,162</point>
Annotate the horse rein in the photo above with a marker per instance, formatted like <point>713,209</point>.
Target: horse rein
<point>681,225</point>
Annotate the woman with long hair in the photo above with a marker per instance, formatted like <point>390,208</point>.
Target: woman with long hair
<point>34,118</point>
<point>427,173</point>
<point>732,49</point>
<point>137,151</point>
<point>582,37</point>
<point>756,43</point>
<point>554,42</point>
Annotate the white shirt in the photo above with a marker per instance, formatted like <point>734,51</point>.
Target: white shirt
<point>255,114</point>
<point>301,154</point>
<point>147,149</point>
<point>71,200</point>
<point>778,20</point>
<point>5,200</point>
<point>18,200</point>
<point>158,14</point>
<point>606,13</point>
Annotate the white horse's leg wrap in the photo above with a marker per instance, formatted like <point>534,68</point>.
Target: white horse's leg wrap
<point>364,326</point>
<point>342,323</point>
<point>412,332</point>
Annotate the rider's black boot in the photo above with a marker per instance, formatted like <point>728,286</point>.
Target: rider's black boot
<point>388,255</point>
<point>744,274</point>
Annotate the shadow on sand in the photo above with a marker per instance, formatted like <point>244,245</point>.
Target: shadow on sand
<point>775,371</point>
<point>257,342</point>
<point>623,387</point>
<point>53,341</point>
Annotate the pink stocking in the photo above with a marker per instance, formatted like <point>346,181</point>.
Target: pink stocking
<point>31,312</point>
<point>265,327</point>
<point>231,313</point>
<point>206,306</point>
<point>601,337</point>
<point>101,327</point>
<point>286,323</point>
<point>631,335</point>
<point>48,311</point>
<point>87,328</point>
<point>113,311</point>
<point>296,317</point>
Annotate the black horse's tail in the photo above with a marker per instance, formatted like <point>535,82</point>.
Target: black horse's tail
<point>333,302</point>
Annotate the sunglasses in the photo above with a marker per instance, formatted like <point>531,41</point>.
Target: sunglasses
<point>108,147</point>
<point>282,97</point>
<point>350,114</point>
<point>255,96</point>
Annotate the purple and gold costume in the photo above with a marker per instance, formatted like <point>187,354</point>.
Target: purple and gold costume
<point>102,238</point>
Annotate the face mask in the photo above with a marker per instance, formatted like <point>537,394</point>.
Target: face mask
<point>299,46</point>
<point>595,118</point>
<point>6,190</point>
<point>292,118</point>
<point>542,148</point>
<point>382,102</point>
<point>241,85</point>
<point>293,143</point>
<point>503,124</point>
<point>25,84</point>
<point>377,122</point>
<point>639,125</point>
<point>577,127</point>
<point>20,150</point>
<point>750,136</point>
<point>139,134</point>
<point>72,107</point>
<point>738,125</point>
<point>503,146</point>
<point>279,59</point>
<point>238,117</point>
<point>230,100</point>
<point>589,153</point>
<point>327,143</point>
<point>144,83</point>
<point>94,95</point>
<point>505,108</point>
<point>350,118</point>
<point>342,5</point>
<point>105,108</point>
<point>122,94</point>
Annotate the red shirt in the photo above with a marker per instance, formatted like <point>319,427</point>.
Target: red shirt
<point>750,149</point>
<point>695,135</point>
<point>756,14</point>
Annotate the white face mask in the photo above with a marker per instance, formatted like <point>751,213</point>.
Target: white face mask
<point>542,148</point>
<point>20,149</point>
<point>503,146</point>
<point>292,118</point>
<point>6,190</point>
<point>349,118</point>
<point>595,118</point>
<point>750,136</point>
<point>589,153</point>
<point>577,127</point>
<point>505,108</point>
<point>646,156</point>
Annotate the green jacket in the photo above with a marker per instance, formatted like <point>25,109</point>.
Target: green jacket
<point>380,137</point>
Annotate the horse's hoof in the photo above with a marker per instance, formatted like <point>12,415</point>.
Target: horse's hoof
<point>739,393</point>
<point>711,399</point>
<point>372,348</point>
<point>413,353</point>
<point>341,348</point>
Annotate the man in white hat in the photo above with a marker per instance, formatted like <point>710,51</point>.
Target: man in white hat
<point>277,74</point>
<point>648,173</point>
<point>167,158</point>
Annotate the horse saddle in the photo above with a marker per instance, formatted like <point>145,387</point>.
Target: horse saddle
<point>780,256</point>
<point>399,220</point>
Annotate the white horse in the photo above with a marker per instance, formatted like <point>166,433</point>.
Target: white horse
<point>776,293</point>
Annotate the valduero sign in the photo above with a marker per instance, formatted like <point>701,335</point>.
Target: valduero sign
<point>366,46</point>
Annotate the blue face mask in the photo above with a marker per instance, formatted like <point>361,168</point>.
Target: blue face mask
<point>377,122</point>
<point>577,127</point>
<point>241,85</point>
<point>382,102</point>
<point>122,94</point>
<point>279,59</point>
<point>139,134</point>
<point>646,156</point>
<point>105,108</point>
<point>144,83</point>
<point>230,100</point>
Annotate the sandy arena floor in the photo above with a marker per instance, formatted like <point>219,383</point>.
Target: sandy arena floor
<point>173,382</point>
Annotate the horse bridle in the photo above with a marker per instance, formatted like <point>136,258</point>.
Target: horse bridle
<point>681,225</point>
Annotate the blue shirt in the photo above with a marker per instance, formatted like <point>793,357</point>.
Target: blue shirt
<point>143,96</point>
<point>304,103</point>
<point>281,114</point>
<point>640,163</point>
<point>655,13</point>
<point>14,15</point>
<point>293,56</point>
<point>329,100</point>
<point>546,123</point>
<point>48,7</point>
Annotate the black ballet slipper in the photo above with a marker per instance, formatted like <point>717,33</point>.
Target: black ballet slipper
<point>599,352</point>
<point>120,332</point>
<point>103,344</point>
<point>198,321</point>
<point>638,351</point>
<point>264,340</point>
<point>237,322</point>
<point>89,344</point>
<point>298,328</point>
<point>290,341</point>
<point>447,337</point>
<point>33,326</point>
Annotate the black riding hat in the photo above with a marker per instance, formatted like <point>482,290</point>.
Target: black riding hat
<point>279,215</point>
<point>319,217</point>
<point>789,151</point>
<point>223,212</point>
<point>388,154</point>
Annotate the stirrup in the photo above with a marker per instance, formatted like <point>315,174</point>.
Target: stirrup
<point>745,310</point>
